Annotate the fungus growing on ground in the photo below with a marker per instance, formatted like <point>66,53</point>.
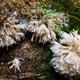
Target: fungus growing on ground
<point>66,57</point>
<point>44,29</point>
<point>15,64</point>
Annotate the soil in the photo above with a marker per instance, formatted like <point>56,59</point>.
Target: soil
<point>35,65</point>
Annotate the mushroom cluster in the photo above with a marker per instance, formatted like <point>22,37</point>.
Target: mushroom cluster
<point>44,30</point>
<point>66,57</point>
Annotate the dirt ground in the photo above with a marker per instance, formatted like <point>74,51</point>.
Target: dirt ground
<point>35,65</point>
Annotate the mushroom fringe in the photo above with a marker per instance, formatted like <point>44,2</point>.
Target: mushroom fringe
<point>44,30</point>
<point>66,57</point>
<point>11,32</point>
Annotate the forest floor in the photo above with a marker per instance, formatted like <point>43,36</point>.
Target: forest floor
<point>35,65</point>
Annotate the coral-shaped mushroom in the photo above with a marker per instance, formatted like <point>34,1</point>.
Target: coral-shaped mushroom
<point>66,57</point>
<point>11,32</point>
<point>15,64</point>
<point>6,40</point>
<point>44,30</point>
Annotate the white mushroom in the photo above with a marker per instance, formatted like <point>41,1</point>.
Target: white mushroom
<point>15,64</point>
<point>66,57</point>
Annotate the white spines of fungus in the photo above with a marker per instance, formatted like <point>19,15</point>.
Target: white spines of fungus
<point>66,57</point>
<point>15,64</point>
<point>44,30</point>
